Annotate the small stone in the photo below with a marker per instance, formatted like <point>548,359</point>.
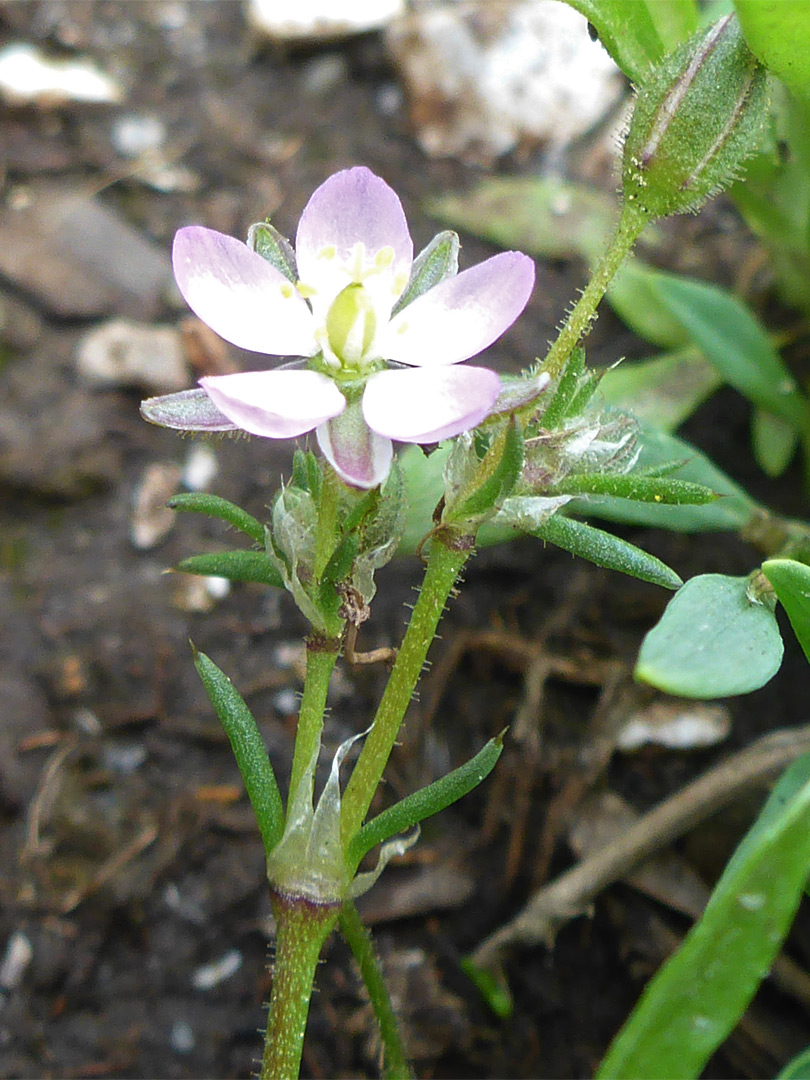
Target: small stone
<point>320,20</point>
<point>211,975</point>
<point>678,725</point>
<point>19,954</point>
<point>130,354</point>
<point>28,76</point>
<point>78,258</point>
<point>200,468</point>
<point>197,593</point>
<point>481,79</point>
<point>152,520</point>
<point>182,1038</point>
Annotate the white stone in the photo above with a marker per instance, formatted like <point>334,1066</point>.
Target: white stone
<point>27,76</point>
<point>317,20</point>
<point>121,352</point>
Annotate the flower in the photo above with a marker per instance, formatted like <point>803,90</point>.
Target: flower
<point>367,372</point>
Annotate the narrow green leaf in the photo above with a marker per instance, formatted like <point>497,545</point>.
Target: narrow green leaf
<point>712,641</point>
<point>791,582</point>
<point>234,565</point>
<point>248,748</point>
<point>698,996</point>
<point>493,479</point>
<point>425,803</point>
<point>640,488</point>
<point>732,511</point>
<point>773,441</point>
<point>216,507</point>
<point>736,343</point>
<point>778,34</point>
<point>605,549</point>
<point>664,391</point>
<point>561,397</point>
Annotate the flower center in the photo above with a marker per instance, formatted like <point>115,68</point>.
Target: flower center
<point>351,326</point>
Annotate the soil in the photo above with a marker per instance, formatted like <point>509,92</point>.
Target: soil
<point>132,869</point>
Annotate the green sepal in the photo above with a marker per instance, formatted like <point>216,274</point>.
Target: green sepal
<point>565,391</point>
<point>604,549</point>
<point>493,480</point>
<point>234,565</point>
<point>216,507</point>
<point>438,261</point>
<point>652,489</point>
<point>424,803</point>
<point>267,241</point>
<point>248,748</point>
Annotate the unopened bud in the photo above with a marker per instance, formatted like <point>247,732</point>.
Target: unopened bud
<point>697,118</point>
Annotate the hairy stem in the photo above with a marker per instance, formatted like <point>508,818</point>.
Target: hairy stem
<point>631,224</point>
<point>302,928</point>
<point>444,565</point>
<point>321,658</point>
<point>361,944</point>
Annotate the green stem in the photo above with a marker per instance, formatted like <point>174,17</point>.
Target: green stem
<point>631,225</point>
<point>302,928</point>
<point>321,657</point>
<point>444,564</point>
<point>359,939</point>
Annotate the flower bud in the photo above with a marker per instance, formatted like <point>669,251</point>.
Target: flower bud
<point>697,118</point>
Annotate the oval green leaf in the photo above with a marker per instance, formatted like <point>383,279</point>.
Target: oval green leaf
<point>712,641</point>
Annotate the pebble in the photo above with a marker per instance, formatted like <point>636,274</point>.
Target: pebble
<point>182,1038</point>
<point>77,257</point>
<point>320,20</point>
<point>19,954</point>
<point>124,353</point>
<point>479,81</point>
<point>211,975</point>
<point>28,76</point>
<point>152,520</point>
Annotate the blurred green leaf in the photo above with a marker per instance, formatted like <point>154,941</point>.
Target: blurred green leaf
<point>778,33</point>
<point>774,442</point>
<point>698,996</point>
<point>663,391</point>
<point>736,343</point>
<point>634,297</point>
<point>791,582</point>
<point>712,641</point>
<point>544,216</point>
<point>798,1068</point>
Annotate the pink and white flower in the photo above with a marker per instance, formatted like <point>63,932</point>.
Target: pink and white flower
<point>366,375</point>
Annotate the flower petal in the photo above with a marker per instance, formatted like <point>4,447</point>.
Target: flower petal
<point>275,404</point>
<point>240,295</point>
<point>353,208</point>
<point>358,455</point>
<point>462,315</point>
<point>428,405</point>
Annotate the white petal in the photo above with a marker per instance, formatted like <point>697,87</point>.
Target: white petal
<point>349,220</point>
<point>275,404</point>
<point>241,295</point>
<point>358,455</point>
<point>461,316</point>
<point>431,404</point>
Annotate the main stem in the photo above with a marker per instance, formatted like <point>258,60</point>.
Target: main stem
<point>631,225</point>
<point>444,565</point>
<point>321,657</point>
<point>301,929</point>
